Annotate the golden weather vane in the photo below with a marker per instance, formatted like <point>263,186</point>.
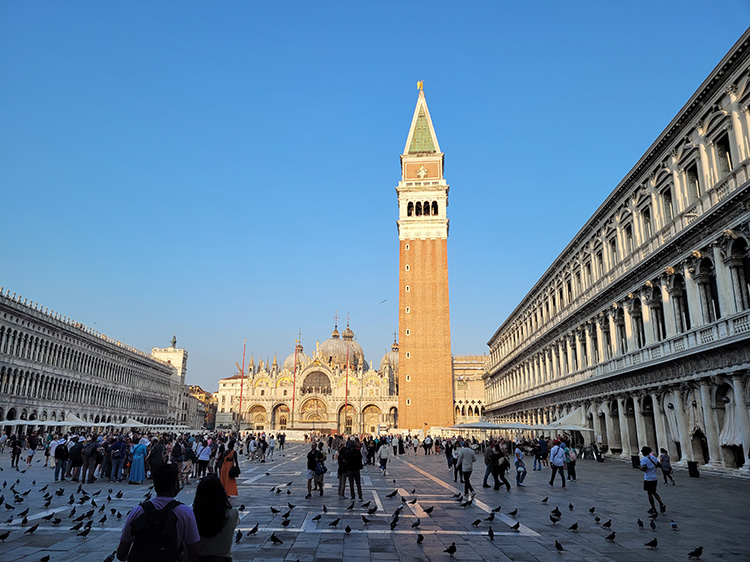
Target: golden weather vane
<point>420,85</point>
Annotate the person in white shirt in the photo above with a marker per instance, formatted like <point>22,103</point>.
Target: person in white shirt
<point>557,460</point>
<point>467,457</point>
<point>649,464</point>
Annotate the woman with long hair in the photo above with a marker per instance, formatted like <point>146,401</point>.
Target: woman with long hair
<point>216,519</point>
<point>229,461</point>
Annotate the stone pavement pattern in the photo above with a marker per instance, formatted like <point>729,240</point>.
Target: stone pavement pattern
<point>710,512</point>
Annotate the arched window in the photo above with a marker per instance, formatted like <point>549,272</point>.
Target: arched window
<point>409,209</point>
<point>434,208</point>
<point>426,208</point>
<point>418,211</point>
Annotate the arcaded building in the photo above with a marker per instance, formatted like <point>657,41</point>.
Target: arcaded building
<point>56,374</point>
<point>640,329</point>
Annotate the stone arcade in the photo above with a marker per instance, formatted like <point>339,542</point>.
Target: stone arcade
<point>640,329</point>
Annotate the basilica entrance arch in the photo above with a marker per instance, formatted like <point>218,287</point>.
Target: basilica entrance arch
<point>346,419</point>
<point>371,417</point>
<point>257,417</point>
<point>280,417</point>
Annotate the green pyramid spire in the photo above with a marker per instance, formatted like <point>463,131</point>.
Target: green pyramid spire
<point>421,141</point>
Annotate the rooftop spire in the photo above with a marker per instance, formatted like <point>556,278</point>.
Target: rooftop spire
<point>422,136</point>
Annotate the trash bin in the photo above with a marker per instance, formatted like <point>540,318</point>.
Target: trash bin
<point>693,469</point>
<point>635,459</point>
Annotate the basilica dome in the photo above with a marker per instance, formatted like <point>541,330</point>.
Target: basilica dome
<point>302,360</point>
<point>390,360</point>
<point>333,351</point>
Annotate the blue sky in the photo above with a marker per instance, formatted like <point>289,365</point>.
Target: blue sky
<point>226,171</point>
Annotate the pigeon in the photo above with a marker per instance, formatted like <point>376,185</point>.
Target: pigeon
<point>102,508</point>
<point>325,509</point>
<point>288,483</point>
<point>88,524</point>
<point>545,500</point>
<point>238,536</point>
<point>392,494</point>
<point>374,509</point>
<point>24,521</point>
<point>4,536</point>
<point>241,508</point>
<point>24,513</point>
<point>394,523</point>
<point>365,520</point>
<point>286,515</point>
<point>119,515</point>
<point>317,517</point>
<point>118,495</point>
<point>416,523</point>
<point>607,525</point>
<point>513,513</point>
<point>275,539</point>
<point>44,558</point>
<point>291,506</point>
<point>96,493</point>
<point>285,523</point>
<point>574,527</point>
<point>451,549</point>
<point>558,546</point>
<point>640,523</point>
<point>554,519</point>
<point>103,520</point>
<point>350,507</point>
<point>347,529</point>
<point>253,530</point>
<point>56,521</point>
<point>30,530</point>
<point>490,518</point>
<point>334,522</point>
<point>516,526</point>
<point>610,537</point>
<point>592,510</point>
<point>596,520</point>
<point>491,534</point>
<point>497,509</point>
<point>414,491</point>
<point>8,506</point>
<point>652,524</point>
<point>274,510</point>
<point>476,523</point>
<point>570,506</point>
<point>651,544</point>
<point>673,525</point>
<point>556,512</point>
<point>77,526</point>
<point>428,510</point>
<point>412,502</point>
<point>695,553</point>
<point>420,538</point>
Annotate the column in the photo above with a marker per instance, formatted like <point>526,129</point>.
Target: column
<point>727,302</point>
<point>624,428</point>
<point>615,342</point>
<point>685,444</point>
<point>597,423</point>
<point>743,419</point>
<point>660,427</point>
<point>613,440</point>
<point>711,424</point>
<point>649,320</point>
<point>640,425</point>
<point>694,299</point>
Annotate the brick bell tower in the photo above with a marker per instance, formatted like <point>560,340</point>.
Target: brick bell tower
<point>425,375</point>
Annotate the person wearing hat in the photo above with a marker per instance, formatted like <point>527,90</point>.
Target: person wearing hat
<point>649,464</point>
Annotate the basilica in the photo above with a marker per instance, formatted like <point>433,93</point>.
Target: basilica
<point>333,390</point>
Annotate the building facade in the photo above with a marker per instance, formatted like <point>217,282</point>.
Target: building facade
<point>55,372</point>
<point>468,388</point>
<point>178,390</point>
<point>425,378</point>
<point>640,329</point>
<point>335,390</point>
<point>208,405</point>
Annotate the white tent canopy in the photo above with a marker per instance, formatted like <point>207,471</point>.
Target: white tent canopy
<point>574,421</point>
<point>71,420</point>
<point>493,426</point>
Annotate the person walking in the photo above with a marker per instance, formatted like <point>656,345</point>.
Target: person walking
<point>571,457</point>
<point>649,464</point>
<point>500,466</point>
<point>228,462</point>
<point>666,466</point>
<point>557,459</point>
<point>487,464</point>
<point>383,454</point>
<point>467,458</point>
<point>520,466</point>
<point>61,459</point>
<point>216,520</point>
<point>342,470</point>
<point>354,466</point>
<point>271,447</point>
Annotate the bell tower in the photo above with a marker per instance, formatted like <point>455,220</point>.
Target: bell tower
<point>425,366</point>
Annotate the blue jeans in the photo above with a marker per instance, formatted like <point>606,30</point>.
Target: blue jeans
<point>116,468</point>
<point>60,469</point>
<point>487,474</point>
<point>537,461</point>
<point>520,474</point>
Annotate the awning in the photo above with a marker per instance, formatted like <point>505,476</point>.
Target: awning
<point>574,421</point>
<point>493,426</point>
<point>72,420</point>
<point>129,422</point>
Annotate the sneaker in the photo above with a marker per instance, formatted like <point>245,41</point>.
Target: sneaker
<point>308,496</point>
<point>652,510</point>
<point>486,486</point>
<point>663,508</point>
<point>522,484</point>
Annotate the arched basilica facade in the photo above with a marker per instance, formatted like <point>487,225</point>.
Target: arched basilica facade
<point>334,390</point>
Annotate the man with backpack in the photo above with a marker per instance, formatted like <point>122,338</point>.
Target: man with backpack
<point>162,528</point>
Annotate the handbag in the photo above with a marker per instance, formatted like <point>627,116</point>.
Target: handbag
<point>320,468</point>
<point>234,472</point>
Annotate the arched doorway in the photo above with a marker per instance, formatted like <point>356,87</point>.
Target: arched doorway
<point>257,417</point>
<point>371,417</point>
<point>280,417</point>
<point>393,417</point>
<point>314,411</point>
<point>346,419</point>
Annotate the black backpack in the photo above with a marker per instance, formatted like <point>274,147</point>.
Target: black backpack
<point>155,534</point>
<point>61,452</point>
